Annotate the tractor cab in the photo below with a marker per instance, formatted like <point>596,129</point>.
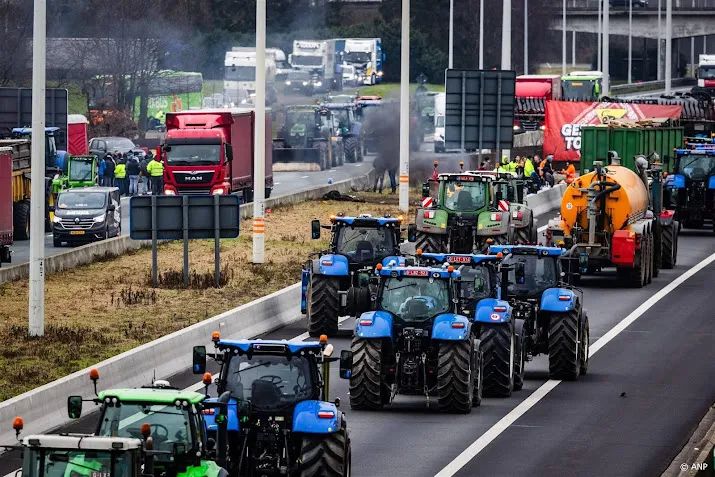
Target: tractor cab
<point>77,171</point>
<point>172,418</point>
<point>277,397</point>
<point>534,269</point>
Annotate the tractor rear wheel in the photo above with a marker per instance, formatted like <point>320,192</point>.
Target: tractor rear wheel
<point>21,220</point>
<point>359,151</point>
<point>564,352</point>
<point>455,376</point>
<point>585,346</point>
<point>519,356</point>
<point>366,381</point>
<point>350,149</point>
<point>324,157</point>
<point>323,305</point>
<point>430,243</point>
<point>523,235</point>
<point>657,250</point>
<point>669,238</point>
<point>325,455</point>
<point>636,275</point>
<point>479,377</point>
<point>498,342</point>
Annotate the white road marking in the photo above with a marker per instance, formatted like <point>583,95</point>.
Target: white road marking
<point>304,177</point>
<point>485,439</point>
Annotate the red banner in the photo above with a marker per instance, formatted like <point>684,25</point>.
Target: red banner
<point>564,119</point>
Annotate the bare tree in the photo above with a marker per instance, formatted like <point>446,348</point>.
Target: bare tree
<point>15,28</point>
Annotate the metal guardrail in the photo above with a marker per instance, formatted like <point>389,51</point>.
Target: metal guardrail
<point>646,86</point>
<point>684,5</point>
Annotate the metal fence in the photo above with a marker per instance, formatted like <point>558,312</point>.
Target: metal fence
<point>652,5</point>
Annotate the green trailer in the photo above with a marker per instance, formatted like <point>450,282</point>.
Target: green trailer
<point>596,141</point>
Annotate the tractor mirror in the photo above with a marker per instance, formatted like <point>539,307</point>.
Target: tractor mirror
<point>74,407</point>
<point>199,360</point>
<point>229,152</point>
<point>346,364</point>
<point>412,233</point>
<point>520,273</point>
<point>111,208</point>
<point>520,193</point>
<point>425,190</point>
<point>315,229</point>
<point>510,193</point>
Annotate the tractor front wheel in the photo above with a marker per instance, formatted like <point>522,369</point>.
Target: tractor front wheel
<point>669,238</point>
<point>499,344</point>
<point>455,376</point>
<point>585,345</point>
<point>21,220</point>
<point>564,352</point>
<point>325,455</point>
<point>323,305</point>
<point>519,356</point>
<point>366,381</point>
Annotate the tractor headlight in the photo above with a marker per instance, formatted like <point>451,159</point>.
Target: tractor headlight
<point>319,83</point>
<point>305,83</point>
<point>288,83</point>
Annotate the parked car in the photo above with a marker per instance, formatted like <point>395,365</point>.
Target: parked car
<point>87,214</point>
<point>99,146</point>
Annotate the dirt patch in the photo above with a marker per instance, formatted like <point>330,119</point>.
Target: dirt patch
<point>100,310</point>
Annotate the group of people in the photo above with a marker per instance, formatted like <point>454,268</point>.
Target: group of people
<point>133,175</point>
<point>539,171</point>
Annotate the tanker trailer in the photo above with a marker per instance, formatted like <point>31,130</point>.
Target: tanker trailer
<point>605,222</point>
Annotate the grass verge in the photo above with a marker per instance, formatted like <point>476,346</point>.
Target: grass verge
<point>100,310</point>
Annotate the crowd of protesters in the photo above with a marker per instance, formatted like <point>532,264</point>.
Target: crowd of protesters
<point>133,172</point>
<point>539,172</point>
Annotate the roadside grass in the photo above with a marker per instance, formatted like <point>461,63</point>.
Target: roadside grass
<point>100,310</point>
<point>392,90</point>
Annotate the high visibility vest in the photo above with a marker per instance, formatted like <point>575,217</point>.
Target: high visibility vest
<point>120,172</point>
<point>155,168</point>
<point>528,168</point>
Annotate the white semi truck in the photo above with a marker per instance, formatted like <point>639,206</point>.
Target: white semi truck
<point>318,58</point>
<point>366,56</point>
<point>706,74</point>
<point>239,83</point>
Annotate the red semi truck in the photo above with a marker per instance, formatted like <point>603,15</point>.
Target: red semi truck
<point>532,92</point>
<point>211,152</point>
<point>6,216</point>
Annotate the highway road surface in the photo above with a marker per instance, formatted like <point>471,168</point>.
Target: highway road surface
<point>654,93</point>
<point>283,182</point>
<point>649,383</point>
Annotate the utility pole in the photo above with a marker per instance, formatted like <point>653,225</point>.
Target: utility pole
<point>630,41</point>
<point>481,34</point>
<point>259,154</point>
<point>36,326</point>
<point>606,55</point>
<point>563,39</point>
<point>573,49</point>
<point>660,45</point>
<point>599,63</point>
<point>506,36</point>
<point>451,34</point>
<point>526,37</point>
<point>668,45</point>
<point>405,110</point>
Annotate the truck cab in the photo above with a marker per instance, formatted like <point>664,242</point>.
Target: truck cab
<point>582,86</point>
<point>240,76</point>
<point>532,91</point>
<point>366,57</point>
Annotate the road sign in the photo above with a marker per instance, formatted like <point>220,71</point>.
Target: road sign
<point>479,109</point>
<point>187,217</point>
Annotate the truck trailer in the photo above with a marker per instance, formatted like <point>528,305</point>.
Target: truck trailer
<point>210,151</point>
<point>318,57</point>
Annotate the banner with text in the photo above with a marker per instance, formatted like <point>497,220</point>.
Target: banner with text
<point>564,119</point>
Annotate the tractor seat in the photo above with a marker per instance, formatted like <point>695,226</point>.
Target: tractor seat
<point>364,251</point>
<point>464,200</point>
<point>265,392</point>
<point>417,308</point>
<point>698,172</point>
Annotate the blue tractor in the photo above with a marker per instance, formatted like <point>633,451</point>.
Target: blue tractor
<point>482,278</point>
<point>549,314</point>
<point>340,281</point>
<point>277,419</point>
<point>350,129</point>
<point>416,342</point>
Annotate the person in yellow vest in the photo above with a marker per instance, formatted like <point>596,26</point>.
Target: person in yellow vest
<point>499,168</point>
<point>528,167</point>
<point>120,176</point>
<point>155,169</point>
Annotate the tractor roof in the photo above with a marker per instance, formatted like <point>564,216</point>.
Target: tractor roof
<point>700,149</point>
<point>433,272</point>
<point>460,258</point>
<point>80,442</point>
<point>367,220</point>
<point>496,175</point>
<point>338,105</point>
<point>28,131</point>
<point>527,250</point>
<point>463,177</point>
<point>156,395</point>
<point>271,346</point>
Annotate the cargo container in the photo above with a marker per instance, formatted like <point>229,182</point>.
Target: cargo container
<point>596,141</point>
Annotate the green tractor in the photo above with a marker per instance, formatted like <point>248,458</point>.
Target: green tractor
<point>172,418</point>
<point>308,135</point>
<point>461,213</point>
<point>77,171</point>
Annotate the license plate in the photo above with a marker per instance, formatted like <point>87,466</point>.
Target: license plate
<point>77,232</point>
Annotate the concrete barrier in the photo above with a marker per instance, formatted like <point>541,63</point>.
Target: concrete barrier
<point>45,408</point>
<point>114,247</point>
<point>546,199</point>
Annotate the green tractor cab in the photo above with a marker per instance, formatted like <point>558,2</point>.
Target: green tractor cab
<point>461,213</point>
<point>77,171</point>
<point>308,135</point>
<point>171,417</point>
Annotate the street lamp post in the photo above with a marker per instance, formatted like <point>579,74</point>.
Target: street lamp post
<point>606,55</point>
<point>668,45</point>
<point>526,37</point>
<point>405,109</point>
<point>563,39</point>
<point>259,155</point>
<point>630,41</point>
<point>506,36</point>
<point>451,33</point>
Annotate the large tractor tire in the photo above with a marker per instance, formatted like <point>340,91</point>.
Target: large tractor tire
<point>670,246</point>
<point>455,376</point>
<point>564,348</point>
<point>323,305</point>
<point>523,235</point>
<point>21,220</point>
<point>519,355</point>
<point>430,243</point>
<point>479,377</point>
<point>360,151</point>
<point>657,250</point>
<point>366,382</point>
<point>585,346</point>
<point>499,345</point>
<point>501,239</point>
<point>351,144</point>
<point>325,455</point>
<point>651,258</point>
<point>636,275</point>
<point>324,156</point>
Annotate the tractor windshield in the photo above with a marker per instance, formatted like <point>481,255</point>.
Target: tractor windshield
<point>169,424</point>
<point>269,381</point>
<point>696,167</point>
<point>44,462</point>
<point>365,244</point>
<point>538,274</point>
<point>344,117</point>
<point>413,299</point>
<point>300,117</point>
<point>475,283</point>
<point>465,196</point>
<point>80,170</point>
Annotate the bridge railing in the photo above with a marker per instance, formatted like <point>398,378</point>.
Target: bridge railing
<point>652,5</point>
